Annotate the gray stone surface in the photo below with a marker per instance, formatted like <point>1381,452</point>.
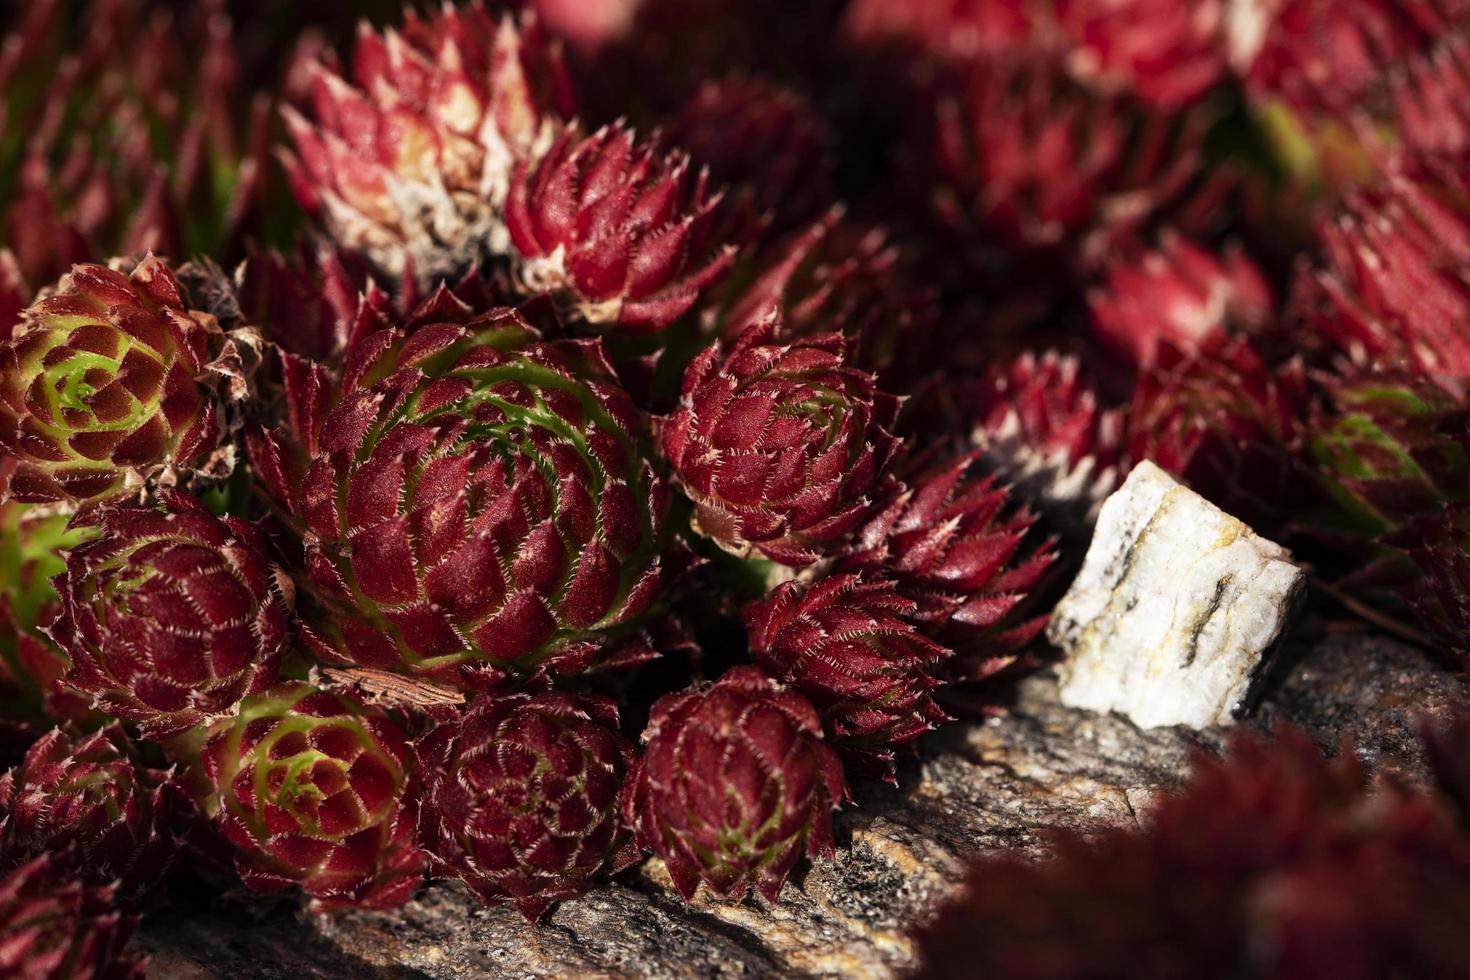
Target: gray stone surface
<point>998,783</point>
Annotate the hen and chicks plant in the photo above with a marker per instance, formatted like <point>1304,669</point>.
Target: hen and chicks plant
<point>339,533</point>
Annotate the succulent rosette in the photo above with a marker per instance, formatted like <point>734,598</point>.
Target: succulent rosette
<point>131,130</point>
<point>1042,427</point>
<point>316,789</point>
<point>172,615</point>
<point>53,927</point>
<point>1181,294</point>
<point>1227,424</point>
<point>521,797</point>
<point>734,785</point>
<point>622,233</point>
<point>779,442</point>
<point>850,645</point>
<point>476,503</point>
<point>955,543</point>
<point>410,161</point>
<point>107,381</point>
<point>86,801</point>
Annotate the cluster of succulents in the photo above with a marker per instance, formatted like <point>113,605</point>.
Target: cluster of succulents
<point>396,426</point>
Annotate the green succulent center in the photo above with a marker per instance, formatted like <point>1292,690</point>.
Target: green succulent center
<point>823,409</point>
<point>72,380</point>
<point>295,771</point>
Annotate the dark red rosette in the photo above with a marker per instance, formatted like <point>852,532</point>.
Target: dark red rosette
<point>851,646</point>
<point>316,789</point>
<point>623,234</point>
<point>521,797</point>
<point>83,799</point>
<point>734,785</point>
<point>475,502</point>
<point>1271,862</point>
<point>172,615</point>
<point>779,442</point>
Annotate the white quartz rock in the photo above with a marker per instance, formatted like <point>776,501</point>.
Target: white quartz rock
<point>1176,608</point>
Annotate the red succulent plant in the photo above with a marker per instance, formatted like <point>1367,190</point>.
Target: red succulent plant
<point>172,615</point>
<point>410,161</point>
<point>1227,424</point>
<point>734,785</point>
<point>316,789</point>
<point>623,234</point>
<point>1170,53</point>
<point>1393,287</point>
<point>1181,294</point>
<point>1274,862</point>
<point>851,646</point>
<point>779,442</point>
<point>107,381</point>
<point>521,797</point>
<point>474,501</point>
<point>1043,428</point>
<point>1391,447</point>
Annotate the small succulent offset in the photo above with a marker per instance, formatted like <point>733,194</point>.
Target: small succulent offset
<point>315,789</point>
<point>618,231</point>
<point>172,615</point>
<point>779,443</point>
<point>521,797</point>
<point>792,345</point>
<point>734,785</point>
<point>851,645</point>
